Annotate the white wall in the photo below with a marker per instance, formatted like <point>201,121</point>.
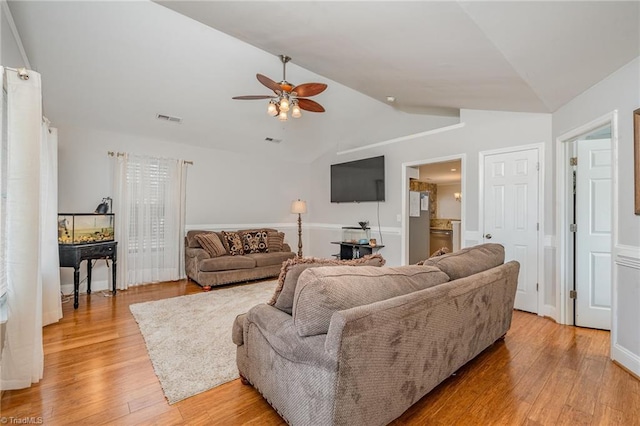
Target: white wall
<point>620,91</point>
<point>447,206</point>
<point>483,130</point>
<point>224,189</point>
<point>9,52</point>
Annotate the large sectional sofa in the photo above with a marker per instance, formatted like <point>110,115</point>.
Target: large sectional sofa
<point>229,266</point>
<point>361,345</point>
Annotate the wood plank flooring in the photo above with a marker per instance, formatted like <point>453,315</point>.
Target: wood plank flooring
<point>97,371</point>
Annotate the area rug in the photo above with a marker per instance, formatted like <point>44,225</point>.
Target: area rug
<point>189,337</point>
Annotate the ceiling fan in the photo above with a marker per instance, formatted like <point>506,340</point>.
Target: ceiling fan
<point>287,96</point>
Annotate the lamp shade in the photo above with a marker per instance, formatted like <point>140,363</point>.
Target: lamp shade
<point>299,206</point>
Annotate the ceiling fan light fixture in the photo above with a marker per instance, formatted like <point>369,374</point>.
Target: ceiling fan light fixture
<point>272,110</point>
<point>295,111</point>
<point>288,97</point>
<point>284,104</point>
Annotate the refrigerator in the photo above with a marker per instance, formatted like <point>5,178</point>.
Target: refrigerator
<point>419,226</point>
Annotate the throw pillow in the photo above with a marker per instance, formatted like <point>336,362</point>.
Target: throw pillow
<point>275,240</point>
<point>255,242</point>
<point>212,244</point>
<point>233,243</point>
<point>292,268</point>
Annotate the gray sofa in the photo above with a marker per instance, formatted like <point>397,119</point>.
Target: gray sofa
<point>364,344</point>
<point>207,270</point>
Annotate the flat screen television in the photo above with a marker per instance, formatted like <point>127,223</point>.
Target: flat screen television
<point>358,181</point>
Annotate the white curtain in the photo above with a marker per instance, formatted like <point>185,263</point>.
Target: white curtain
<point>149,198</point>
<point>30,236</point>
<point>49,257</point>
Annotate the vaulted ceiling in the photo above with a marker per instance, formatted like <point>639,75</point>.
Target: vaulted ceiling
<point>115,65</point>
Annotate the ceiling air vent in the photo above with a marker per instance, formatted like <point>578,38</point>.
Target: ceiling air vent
<point>164,117</point>
<point>273,140</point>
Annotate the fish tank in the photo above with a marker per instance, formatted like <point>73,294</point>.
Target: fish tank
<point>356,235</point>
<point>85,228</point>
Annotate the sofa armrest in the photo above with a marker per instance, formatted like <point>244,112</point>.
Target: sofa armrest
<point>277,328</point>
<point>237,335</point>
<point>197,252</point>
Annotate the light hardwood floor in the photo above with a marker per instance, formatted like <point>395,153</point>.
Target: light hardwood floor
<point>97,372</point>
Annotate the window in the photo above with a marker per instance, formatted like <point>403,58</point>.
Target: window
<point>148,181</point>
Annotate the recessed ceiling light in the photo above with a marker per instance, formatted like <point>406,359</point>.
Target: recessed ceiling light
<point>391,99</point>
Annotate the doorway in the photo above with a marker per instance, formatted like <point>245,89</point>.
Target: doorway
<point>436,185</point>
<point>587,226</point>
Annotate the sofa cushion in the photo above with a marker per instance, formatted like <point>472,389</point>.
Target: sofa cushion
<point>268,259</point>
<point>255,242</point>
<point>468,261</point>
<point>232,242</point>
<point>322,291</point>
<point>275,240</point>
<point>291,270</point>
<point>211,243</point>
<point>225,263</point>
<point>191,240</point>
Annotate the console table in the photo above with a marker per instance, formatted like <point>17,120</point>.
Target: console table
<point>71,255</point>
<point>350,250</point>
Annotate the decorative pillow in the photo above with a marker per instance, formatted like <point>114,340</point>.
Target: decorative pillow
<point>292,268</point>
<point>255,242</point>
<point>275,240</point>
<point>233,243</point>
<point>212,244</point>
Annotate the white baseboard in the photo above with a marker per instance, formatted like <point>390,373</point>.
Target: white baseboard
<point>626,358</point>
<point>549,311</point>
<point>95,286</point>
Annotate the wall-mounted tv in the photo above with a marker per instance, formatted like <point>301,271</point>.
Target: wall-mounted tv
<point>358,181</point>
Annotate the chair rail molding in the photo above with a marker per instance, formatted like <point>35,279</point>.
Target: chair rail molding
<point>627,256</point>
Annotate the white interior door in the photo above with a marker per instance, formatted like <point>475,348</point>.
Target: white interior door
<point>593,234</point>
<point>511,196</point>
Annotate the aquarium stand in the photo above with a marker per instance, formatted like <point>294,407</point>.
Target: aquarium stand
<point>71,255</point>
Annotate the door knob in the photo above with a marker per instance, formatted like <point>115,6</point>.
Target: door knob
<point>488,236</point>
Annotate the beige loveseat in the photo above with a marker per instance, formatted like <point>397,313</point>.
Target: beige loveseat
<point>364,344</point>
<point>208,269</point>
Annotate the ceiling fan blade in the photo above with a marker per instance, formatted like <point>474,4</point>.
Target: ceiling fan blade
<point>266,81</point>
<point>310,89</point>
<point>253,97</point>
<point>309,105</point>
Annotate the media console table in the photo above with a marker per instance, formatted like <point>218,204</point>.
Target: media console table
<point>71,255</point>
<point>350,250</point>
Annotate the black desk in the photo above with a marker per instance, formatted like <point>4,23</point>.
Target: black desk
<point>71,255</point>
